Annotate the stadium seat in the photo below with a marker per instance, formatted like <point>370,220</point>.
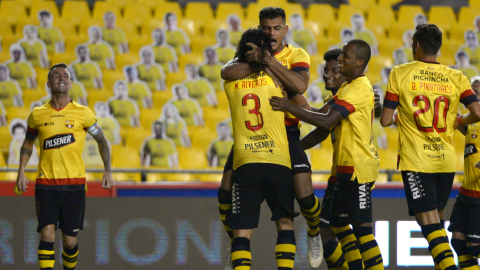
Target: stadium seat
<point>130,29</point>
<point>135,14</point>
<point>210,29</point>
<point>192,58</point>
<point>118,157</point>
<point>223,102</point>
<point>44,5</point>
<point>111,76</point>
<point>317,29</point>
<point>466,16</point>
<point>192,28</point>
<point>66,57</point>
<point>17,112</point>
<point>6,29</point>
<point>156,177</point>
<point>95,96</point>
<point>136,136</point>
<point>224,9</point>
<point>11,11</point>
<point>380,15</point>
<point>85,24</point>
<point>26,3</point>
<point>147,116</point>
<point>137,42</point>
<point>120,3</point>
<point>321,13</point>
<point>161,97</point>
<point>200,12</point>
<point>126,59</point>
<point>72,9</point>
<point>5,139</point>
<point>175,77</point>
<point>442,16</point>
<point>150,4</point>
<point>406,14</point>
<point>199,44</point>
<point>365,4</point>
<point>209,177</point>
<point>387,2</point>
<point>252,12</point>
<point>163,8</point>
<point>213,116</point>
<point>320,177</point>
<point>180,177</point>
<point>345,12</point>
<point>67,27</point>
<point>127,177</point>
<point>101,7</point>
<point>293,8</point>
<point>3,163</point>
<point>202,137</point>
<point>72,41</point>
<point>191,158</point>
<point>474,3</point>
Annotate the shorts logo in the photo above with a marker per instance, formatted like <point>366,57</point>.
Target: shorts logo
<point>415,185</point>
<point>235,199</point>
<point>301,166</point>
<point>69,123</point>
<point>76,230</point>
<point>363,196</point>
<point>58,141</point>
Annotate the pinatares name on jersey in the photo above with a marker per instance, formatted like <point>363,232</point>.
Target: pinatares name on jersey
<point>58,141</point>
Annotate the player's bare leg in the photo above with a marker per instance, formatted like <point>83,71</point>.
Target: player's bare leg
<point>310,209</point>
<point>70,251</point>
<point>465,251</point>
<point>225,206</point>
<point>46,252</point>
<point>368,246</point>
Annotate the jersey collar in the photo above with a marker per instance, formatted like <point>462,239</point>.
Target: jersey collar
<point>70,101</point>
<point>429,62</point>
<point>275,54</point>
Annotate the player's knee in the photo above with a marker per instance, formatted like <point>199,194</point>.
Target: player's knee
<point>48,233</point>
<point>69,242</point>
<point>473,249</point>
<point>284,224</point>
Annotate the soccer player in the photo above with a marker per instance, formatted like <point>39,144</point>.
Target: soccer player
<point>262,167</point>
<point>211,68</point>
<point>165,54</point>
<point>10,92</point>
<point>199,88</point>
<point>301,35</point>
<point>61,126</point>
<point>109,124</point>
<point>18,129</point>
<point>87,72</point>
<point>291,67</point>
<point>159,150</point>
<point>20,69</point>
<point>220,147</point>
<point>113,34</point>
<point>137,90</point>
<point>225,50</point>
<point>175,126</point>
<point>123,108</point>
<point>100,50</point>
<point>35,49</point>
<point>466,211</point>
<point>188,107</point>
<point>356,159</point>
<point>426,95</point>
<point>51,35</point>
<point>176,37</point>
<point>149,71</point>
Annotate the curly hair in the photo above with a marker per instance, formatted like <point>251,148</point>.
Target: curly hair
<point>257,37</point>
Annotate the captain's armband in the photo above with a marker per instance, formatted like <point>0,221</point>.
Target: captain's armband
<point>94,129</point>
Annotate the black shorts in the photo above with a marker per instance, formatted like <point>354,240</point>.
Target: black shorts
<point>329,203</point>
<point>426,191</point>
<point>466,219</point>
<point>354,201</point>
<point>298,157</point>
<point>254,182</point>
<point>65,209</point>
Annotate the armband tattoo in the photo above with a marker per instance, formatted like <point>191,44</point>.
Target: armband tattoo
<point>25,151</point>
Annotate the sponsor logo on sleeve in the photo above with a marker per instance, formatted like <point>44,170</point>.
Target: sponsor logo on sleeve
<point>58,141</point>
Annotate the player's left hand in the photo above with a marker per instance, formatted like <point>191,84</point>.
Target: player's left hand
<point>254,55</point>
<point>477,165</point>
<point>280,103</point>
<point>107,180</point>
<point>377,98</point>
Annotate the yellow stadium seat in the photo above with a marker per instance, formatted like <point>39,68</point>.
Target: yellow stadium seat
<point>3,163</point>
<point>12,11</point>
<point>387,2</point>
<point>318,29</point>
<point>7,41</point>
<point>110,77</point>
<point>365,4</point>
<point>25,3</point>
<point>293,8</point>
<point>200,12</point>
<point>210,29</point>
<point>213,116</point>
<point>71,11</point>
<point>252,12</point>
<point>466,16</point>
<point>387,47</point>
<point>381,15</point>
<point>223,102</point>
<point>321,158</point>
<point>272,3</point>
<point>22,22</point>
<point>44,5</point>
<point>175,77</point>
<point>150,4</point>
<point>406,14</point>
<point>148,116</point>
<point>6,29</point>
<point>192,58</point>
<point>5,139</point>
<point>149,25</point>
<point>135,14</point>
<point>202,137</point>
<point>320,177</point>
<point>17,112</point>
<point>161,97</point>
<point>119,159</point>
<point>126,59</point>
<point>199,44</point>
<point>136,136</point>
<point>474,3</point>
<point>191,27</point>
<point>127,177</point>
<point>163,8</point>
<point>101,7</point>
<point>67,27</point>
<point>137,42</point>
<point>321,13</point>
<point>345,12</point>
<point>209,177</point>
<point>442,16</point>
<point>130,28</point>
<point>156,177</point>
<point>66,57</point>
<point>180,177</point>
<point>120,3</point>
<point>72,41</point>
<point>95,96</point>
<point>85,24</point>
<point>224,9</point>
<point>191,158</point>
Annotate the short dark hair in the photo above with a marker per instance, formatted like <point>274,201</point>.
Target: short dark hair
<point>362,50</point>
<point>18,125</point>
<point>259,38</point>
<point>429,37</point>
<point>45,13</point>
<point>271,13</point>
<point>332,55</point>
<point>62,65</point>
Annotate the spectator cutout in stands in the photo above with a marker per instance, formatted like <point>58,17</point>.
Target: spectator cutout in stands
<point>176,37</point>
<point>188,107</point>
<point>211,68</point>
<point>476,23</point>
<point>100,51</point>
<point>114,35</point>
<point>149,71</point>
<point>21,70</point>
<point>175,126</point>
<point>158,150</point>
<point>301,35</point>
<point>407,44</point>
<point>472,48</point>
<point>235,28</point>
<point>320,83</point>
<point>399,57</point>
<point>225,50</point>
<point>346,34</point>
<point>220,147</point>
<point>35,104</point>
<point>51,35</point>
<point>382,85</point>
<point>107,122</point>
<point>419,18</point>
<point>91,155</point>
<point>87,72</point>
<point>463,64</point>
<point>10,92</point>
<point>137,90</point>
<point>165,54</point>
<point>3,117</point>
<point>122,107</point>
<point>199,88</point>
<point>358,25</point>
<point>34,48</point>
<point>18,129</point>
<point>314,96</point>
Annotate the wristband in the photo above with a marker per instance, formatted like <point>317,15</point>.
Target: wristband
<point>459,119</point>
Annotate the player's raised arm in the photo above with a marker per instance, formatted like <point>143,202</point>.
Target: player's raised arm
<point>234,70</point>
<point>104,149</point>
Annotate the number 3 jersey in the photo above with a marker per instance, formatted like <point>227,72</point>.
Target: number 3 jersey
<point>259,132</point>
<point>427,95</point>
<point>62,137</point>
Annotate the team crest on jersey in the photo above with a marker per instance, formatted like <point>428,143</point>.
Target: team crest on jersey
<point>69,123</point>
<point>475,134</point>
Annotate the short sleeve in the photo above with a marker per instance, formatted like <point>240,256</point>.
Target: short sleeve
<point>350,101</point>
<point>89,118</point>
<point>32,128</point>
<point>300,61</point>
<point>467,96</point>
<point>391,97</point>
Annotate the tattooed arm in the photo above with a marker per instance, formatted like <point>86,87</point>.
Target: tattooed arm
<point>103,147</point>
<point>25,154</point>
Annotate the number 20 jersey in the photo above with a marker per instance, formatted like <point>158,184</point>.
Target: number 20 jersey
<point>427,95</point>
<point>259,132</point>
